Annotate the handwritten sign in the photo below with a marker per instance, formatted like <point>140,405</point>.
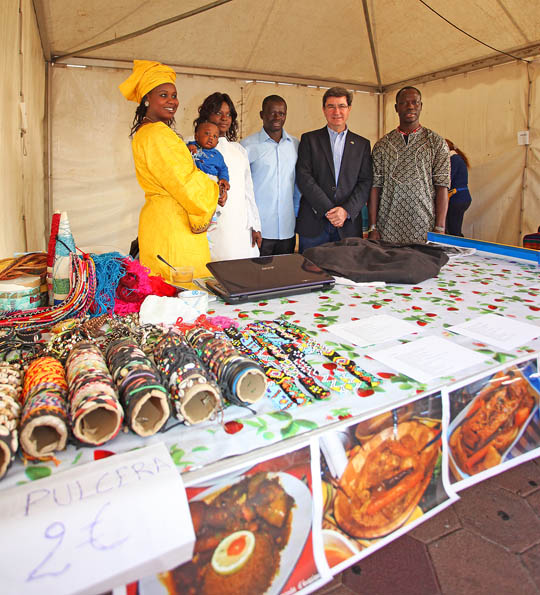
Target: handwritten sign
<point>96,526</point>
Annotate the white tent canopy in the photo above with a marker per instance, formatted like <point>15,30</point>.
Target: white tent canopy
<point>479,92</point>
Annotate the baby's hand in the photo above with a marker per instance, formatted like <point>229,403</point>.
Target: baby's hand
<point>224,185</point>
<point>222,199</point>
<point>192,148</point>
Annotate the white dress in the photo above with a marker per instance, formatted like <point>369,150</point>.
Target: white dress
<point>231,237</point>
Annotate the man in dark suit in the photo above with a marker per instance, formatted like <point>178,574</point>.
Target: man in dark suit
<point>333,173</point>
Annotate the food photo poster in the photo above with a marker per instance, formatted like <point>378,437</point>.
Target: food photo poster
<point>253,529</point>
<point>493,422</point>
<point>381,477</point>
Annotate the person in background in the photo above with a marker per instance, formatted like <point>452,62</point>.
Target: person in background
<point>333,173</point>
<point>238,232</point>
<point>272,157</point>
<point>411,176</point>
<point>179,199</point>
<point>459,197</point>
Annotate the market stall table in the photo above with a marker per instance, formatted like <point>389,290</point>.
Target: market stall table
<point>467,287</point>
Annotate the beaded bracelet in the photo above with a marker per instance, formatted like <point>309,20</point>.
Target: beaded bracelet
<point>10,411</point>
<point>286,351</point>
<point>241,379</point>
<point>95,408</point>
<point>296,350</point>
<point>336,358</point>
<point>194,392</point>
<point>44,418</point>
<point>278,396</point>
<point>144,398</point>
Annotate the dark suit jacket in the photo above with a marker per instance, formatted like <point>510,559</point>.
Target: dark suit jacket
<point>315,178</point>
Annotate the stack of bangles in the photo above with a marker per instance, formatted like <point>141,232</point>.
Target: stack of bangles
<point>95,408</point>
<point>194,392</point>
<point>44,425</point>
<point>10,411</point>
<point>242,380</point>
<point>143,397</point>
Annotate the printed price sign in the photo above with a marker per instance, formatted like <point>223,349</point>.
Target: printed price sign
<point>96,526</point>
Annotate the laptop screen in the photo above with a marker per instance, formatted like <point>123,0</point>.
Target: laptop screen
<point>256,275</point>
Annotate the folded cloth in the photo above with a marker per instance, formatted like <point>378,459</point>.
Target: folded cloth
<point>371,260</point>
<point>167,310</point>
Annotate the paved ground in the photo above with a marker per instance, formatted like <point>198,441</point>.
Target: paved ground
<point>486,543</point>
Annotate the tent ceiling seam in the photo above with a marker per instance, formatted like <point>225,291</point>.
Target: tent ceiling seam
<point>229,74</point>
<point>372,44</point>
<point>42,28</point>
<point>140,32</point>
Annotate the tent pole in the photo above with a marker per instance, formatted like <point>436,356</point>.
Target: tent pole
<point>526,165</point>
<point>47,182</point>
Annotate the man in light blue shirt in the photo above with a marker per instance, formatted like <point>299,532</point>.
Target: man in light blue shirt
<point>272,157</point>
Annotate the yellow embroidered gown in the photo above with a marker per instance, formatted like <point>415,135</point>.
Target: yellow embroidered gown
<point>179,202</point>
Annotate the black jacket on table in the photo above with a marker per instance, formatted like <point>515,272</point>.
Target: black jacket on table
<point>315,178</point>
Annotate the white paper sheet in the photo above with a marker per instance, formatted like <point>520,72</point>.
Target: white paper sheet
<point>428,358</point>
<point>499,331</point>
<point>345,281</point>
<point>96,526</point>
<point>373,330</point>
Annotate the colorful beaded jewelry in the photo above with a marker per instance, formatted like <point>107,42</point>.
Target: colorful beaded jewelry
<point>44,420</point>
<point>280,398</point>
<point>143,397</point>
<point>95,408</point>
<point>194,392</point>
<point>281,326</point>
<point>10,411</point>
<point>241,379</point>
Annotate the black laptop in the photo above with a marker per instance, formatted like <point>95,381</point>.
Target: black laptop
<point>266,277</point>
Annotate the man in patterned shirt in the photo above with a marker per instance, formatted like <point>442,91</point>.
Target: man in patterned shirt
<point>411,177</point>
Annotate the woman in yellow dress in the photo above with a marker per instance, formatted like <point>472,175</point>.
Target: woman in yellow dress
<point>179,198</point>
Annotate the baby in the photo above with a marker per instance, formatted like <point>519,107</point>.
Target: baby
<point>208,159</point>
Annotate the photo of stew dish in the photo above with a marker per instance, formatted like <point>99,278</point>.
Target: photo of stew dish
<point>384,481</point>
<point>490,424</point>
<point>248,537</point>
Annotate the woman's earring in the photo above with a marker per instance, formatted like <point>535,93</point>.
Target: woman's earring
<point>146,103</point>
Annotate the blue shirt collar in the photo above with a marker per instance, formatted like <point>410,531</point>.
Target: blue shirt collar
<point>334,134</point>
<point>263,136</point>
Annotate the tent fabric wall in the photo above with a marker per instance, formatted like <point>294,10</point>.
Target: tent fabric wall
<point>93,176</point>
<point>12,236</point>
<point>33,141</point>
<point>22,78</point>
<point>482,112</point>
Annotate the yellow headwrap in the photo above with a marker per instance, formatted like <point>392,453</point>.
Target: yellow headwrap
<point>146,75</point>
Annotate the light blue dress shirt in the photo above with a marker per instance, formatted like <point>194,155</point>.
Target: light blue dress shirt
<point>337,143</point>
<point>273,173</point>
